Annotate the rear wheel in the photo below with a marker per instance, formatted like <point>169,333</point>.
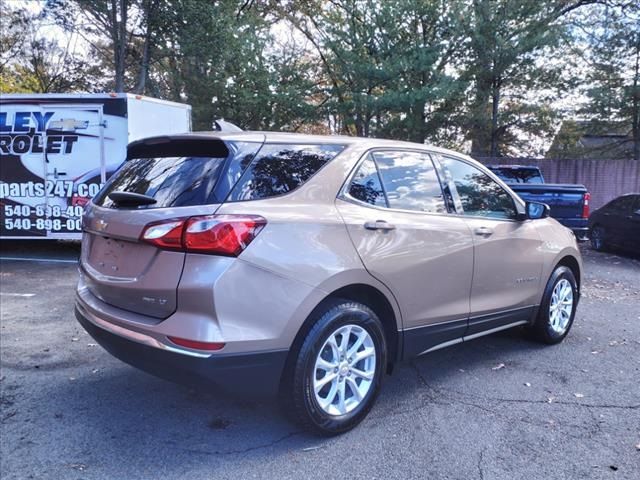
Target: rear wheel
<point>558,307</point>
<point>337,373</point>
<point>597,238</point>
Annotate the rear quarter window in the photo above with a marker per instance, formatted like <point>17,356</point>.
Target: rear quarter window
<point>279,169</point>
<point>518,175</point>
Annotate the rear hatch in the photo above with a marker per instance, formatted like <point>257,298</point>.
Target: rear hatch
<point>175,177</point>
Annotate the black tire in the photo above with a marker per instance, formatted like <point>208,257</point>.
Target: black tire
<point>541,329</point>
<point>597,238</point>
<point>297,394</point>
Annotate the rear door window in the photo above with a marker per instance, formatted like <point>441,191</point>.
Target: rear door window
<point>181,181</point>
<point>279,169</point>
<point>410,181</point>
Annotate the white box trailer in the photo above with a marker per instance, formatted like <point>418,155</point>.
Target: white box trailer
<point>57,150</point>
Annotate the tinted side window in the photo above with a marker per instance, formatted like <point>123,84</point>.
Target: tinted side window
<point>518,175</point>
<point>366,185</point>
<point>279,169</point>
<point>479,194</point>
<point>410,181</point>
<point>623,205</point>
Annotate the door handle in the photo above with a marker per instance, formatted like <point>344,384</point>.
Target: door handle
<point>483,231</point>
<point>379,225</point>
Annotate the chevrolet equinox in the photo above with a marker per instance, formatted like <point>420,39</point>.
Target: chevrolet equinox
<point>306,266</point>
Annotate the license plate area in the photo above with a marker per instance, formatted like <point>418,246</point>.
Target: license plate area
<point>119,258</point>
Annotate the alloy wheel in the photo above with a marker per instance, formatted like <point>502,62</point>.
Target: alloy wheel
<point>561,306</point>
<point>344,370</point>
<point>597,238</point>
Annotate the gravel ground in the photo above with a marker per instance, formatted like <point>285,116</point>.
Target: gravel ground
<point>497,407</point>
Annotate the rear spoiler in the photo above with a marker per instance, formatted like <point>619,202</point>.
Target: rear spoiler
<point>221,125</point>
<point>177,146</point>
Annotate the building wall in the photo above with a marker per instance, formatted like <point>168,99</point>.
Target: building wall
<point>604,179</point>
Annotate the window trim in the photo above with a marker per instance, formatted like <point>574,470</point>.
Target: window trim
<point>343,193</point>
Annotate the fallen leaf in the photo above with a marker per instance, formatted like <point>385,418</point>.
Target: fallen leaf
<point>309,449</point>
<point>550,399</point>
<point>498,367</point>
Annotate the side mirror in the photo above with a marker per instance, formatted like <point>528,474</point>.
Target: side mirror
<point>536,210</point>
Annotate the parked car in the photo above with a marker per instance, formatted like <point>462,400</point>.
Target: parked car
<point>569,203</point>
<point>309,265</point>
<point>617,224</point>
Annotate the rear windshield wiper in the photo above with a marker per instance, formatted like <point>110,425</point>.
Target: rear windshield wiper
<point>130,199</point>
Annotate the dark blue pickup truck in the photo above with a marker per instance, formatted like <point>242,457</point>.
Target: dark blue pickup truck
<point>569,203</point>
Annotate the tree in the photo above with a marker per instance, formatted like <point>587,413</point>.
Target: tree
<point>387,64</point>
<point>611,35</point>
<point>512,58</point>
<point>31,62</point>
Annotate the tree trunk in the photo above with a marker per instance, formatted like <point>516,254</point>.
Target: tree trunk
<point>636,108</point>
<point>144,64</point>
<point>495,111</point>
<point>479,128</point>
<point>120,41</point>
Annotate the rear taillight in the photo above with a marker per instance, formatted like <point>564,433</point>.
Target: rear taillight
<point>226,235</point>
<point>164,234</point>
<point>585,205</point>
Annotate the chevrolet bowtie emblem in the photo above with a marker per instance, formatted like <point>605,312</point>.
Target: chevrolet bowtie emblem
<point>68,124</point>
<point>101,225</point>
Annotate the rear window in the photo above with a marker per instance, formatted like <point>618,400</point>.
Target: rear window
<point>181,181</point>
<point>279,169</point>
<point>518,175</point>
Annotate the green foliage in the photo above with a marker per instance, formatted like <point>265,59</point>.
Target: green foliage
<point>612,83</point>
<point>484,75</point>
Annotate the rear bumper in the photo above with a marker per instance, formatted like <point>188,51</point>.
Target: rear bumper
<point>251,373</point>
<point>582,233</point>
<point>579,226</point>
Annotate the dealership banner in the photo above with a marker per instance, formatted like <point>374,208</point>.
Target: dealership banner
<point>54,157</point>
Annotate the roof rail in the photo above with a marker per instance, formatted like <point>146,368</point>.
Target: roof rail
<point>221,125</point>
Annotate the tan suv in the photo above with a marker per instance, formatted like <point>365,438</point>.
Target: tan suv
<point>308,265</point>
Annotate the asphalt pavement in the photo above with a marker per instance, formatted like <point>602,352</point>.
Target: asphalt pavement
<point>499,407</point>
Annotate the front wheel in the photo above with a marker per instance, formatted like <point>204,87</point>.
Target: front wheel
<point>338,371</point>
<point>597,238</point>
<point>558,307</point>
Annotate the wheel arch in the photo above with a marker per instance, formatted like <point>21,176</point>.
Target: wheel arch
<point>572,264</point>
<point>363,293</point>
<point>380,304</point>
